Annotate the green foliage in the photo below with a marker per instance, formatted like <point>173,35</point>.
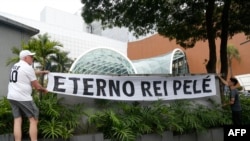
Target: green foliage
<point>58,120</point>
<point>112,126</point>
<point>245,104</point>
<point>186,21</point>
<point>48,55</point>
<point>126,121</point>
<point>16,51</point>
<point>59,62</point>
<point>52,110</point>
<point>232,53</point>
<point>51,128</point>
<point>44,47</point>
<point>6,117</point>
<point>41,45</point>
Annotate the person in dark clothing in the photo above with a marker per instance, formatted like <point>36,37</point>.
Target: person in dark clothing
<point>234,100</point>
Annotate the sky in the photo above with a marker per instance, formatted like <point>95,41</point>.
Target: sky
<point>31,9</point>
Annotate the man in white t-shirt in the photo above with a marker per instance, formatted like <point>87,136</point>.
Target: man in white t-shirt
<point>22,80</point>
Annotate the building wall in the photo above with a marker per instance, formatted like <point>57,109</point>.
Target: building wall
<point>9,37</point>
<point>63,19</point>
<point>196,56</point>
<point>69,30</point>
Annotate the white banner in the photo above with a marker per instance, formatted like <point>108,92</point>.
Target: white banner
<point>132,88</point>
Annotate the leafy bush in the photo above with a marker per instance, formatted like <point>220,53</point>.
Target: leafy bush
<point>245,103</point>
<point>56,120</point>
<point>6,118</point>
<point>194,117</point>
<point>126,121</point>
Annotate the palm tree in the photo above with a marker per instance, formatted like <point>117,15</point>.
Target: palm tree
<point>232,53</point>
<point>43,47</point>
<point>60,62</point>
<point>16,51</point>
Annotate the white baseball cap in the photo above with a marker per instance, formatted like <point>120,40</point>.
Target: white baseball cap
<point>25,53</point>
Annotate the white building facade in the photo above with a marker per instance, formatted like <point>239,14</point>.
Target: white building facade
<point>71,31</point>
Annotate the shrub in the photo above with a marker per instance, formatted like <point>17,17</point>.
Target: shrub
<point>245,103</point>
<point>56,120</point>
<point>126,121</point>
<point>6,118</point>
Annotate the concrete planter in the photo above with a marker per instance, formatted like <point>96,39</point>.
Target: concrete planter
<point>45,140</point>
<point>166,136</point>
<point>216,134</point>
<point>88,137</point>
<point>6,137</point>
<point>85,137</point>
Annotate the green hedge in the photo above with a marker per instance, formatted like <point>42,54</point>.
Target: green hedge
<point>123,120</point>
<point>56,120</point>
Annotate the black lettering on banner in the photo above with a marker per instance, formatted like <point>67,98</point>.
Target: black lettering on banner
<point>100,84</point>
<point>114,87</point>
<point>177,86</point>
<point>186,86</point>
<point>236,132</point>
<point>195,86</point>
<point>205,85</point>
<point>145,87</point>
<point>57,83</point>
<point>86,86</point>
<point>165,88</point>
<point>75,86</point>
<point>132,88</point>
<point>157,88</point>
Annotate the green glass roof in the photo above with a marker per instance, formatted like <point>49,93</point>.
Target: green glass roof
<point>173,62</point>
<point>109,61</point>
<point>102,61</point>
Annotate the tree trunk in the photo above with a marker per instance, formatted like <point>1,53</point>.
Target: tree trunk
<point>230,67</point>
<point>224,38</point>
<point>211,65</point>
<point>42,79</point>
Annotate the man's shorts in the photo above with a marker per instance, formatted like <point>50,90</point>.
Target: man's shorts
<point>27,108</point>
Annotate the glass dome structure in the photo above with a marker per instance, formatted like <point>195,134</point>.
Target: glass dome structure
<point>173,62</point>
<point>102,61</point>
<point>109,61</point>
